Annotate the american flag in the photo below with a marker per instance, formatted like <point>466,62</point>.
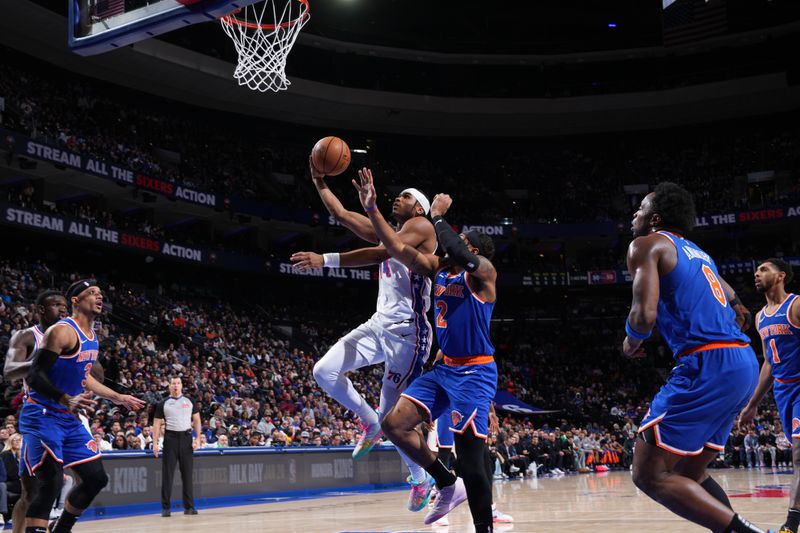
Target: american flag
<point>104,9</point>
<point>686,21</point>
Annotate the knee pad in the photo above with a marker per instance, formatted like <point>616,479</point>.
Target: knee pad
<point>46,486</point>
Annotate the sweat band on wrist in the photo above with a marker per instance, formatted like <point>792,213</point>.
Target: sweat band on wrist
<point>371,209</point>
<point>330,260</point>
<point>633,334</point>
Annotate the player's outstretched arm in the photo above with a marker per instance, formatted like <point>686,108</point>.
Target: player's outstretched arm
<point>355,222</point>
<point>17,363</point>
<point>454,246</point>
<point>764,385</point>
<point>424,264</point>
<point>354,258</point>
<point>643,266</point>
<point>131,402</point>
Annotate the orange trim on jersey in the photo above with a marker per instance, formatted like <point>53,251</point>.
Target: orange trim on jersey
<point>31,400</point>
<point>716,447</point>
<point>792,380</point>
<point>714,346</point>
<point>789,314</point>
<point>764,309</point>
<point>419,403</point>
<point>473,293</point>
<point>669,448</point>
<point>92,458</point>
<point>78,350</point>
<point>81,329</point>
<point>668,236</point>
<point>652,423</point>
<point>468,360</point>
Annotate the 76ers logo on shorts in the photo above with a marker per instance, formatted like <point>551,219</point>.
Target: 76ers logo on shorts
<point>795,424</point>
<point>92,445</point>
<point>456,418</point>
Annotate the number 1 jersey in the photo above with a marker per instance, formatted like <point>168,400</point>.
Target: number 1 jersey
<point>693,309</point>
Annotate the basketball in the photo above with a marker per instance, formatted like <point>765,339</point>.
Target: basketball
<point>331,156</point>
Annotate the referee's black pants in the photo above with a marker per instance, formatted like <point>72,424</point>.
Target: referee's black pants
<point>177,450</point>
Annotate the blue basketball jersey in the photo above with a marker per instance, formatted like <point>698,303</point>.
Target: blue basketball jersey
<point>781,340</point>
<point>693,309</point>
<point>69,371</point>
<point>462,318</point>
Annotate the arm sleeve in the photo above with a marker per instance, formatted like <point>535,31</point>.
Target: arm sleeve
<point>455,248</point>
<point>195,407</point>
<point>159,410</point>
<point>38,380</point>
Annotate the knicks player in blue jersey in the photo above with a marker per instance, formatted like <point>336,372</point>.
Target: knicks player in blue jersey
<point>677,287</point>
<point>61,386</point>
<point>51,306</point>
<point>778,325</point>
<point>466,383</point>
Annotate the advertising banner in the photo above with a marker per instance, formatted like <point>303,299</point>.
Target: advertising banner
<point>135,477</point>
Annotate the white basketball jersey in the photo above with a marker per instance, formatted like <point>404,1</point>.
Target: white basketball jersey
<point>38,335</point>
<point>402,294</point>
<point>37,342</point>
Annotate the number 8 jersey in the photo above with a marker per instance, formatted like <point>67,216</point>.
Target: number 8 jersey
<point>693,310</point>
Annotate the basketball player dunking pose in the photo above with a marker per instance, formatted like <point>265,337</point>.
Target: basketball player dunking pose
<point>467,381</point>
<point>677,286</point>
<point>51,307</point>
<point>778,325</point>
<point>398,334</point>
<point>61,385</point>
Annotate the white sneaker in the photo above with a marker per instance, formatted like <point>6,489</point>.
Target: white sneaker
<point>514,469</point>
<point>501,518</point>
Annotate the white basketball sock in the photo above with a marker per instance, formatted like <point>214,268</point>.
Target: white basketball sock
<point>417,472</point>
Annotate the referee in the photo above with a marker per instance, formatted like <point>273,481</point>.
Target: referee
<point>180,414</point>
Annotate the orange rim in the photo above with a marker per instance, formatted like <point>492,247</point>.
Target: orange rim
<point>231,20</point>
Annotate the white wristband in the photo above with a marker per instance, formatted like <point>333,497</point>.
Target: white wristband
<point>330,260</point>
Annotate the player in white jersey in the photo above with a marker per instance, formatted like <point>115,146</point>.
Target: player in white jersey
<point>398,334</point>
<point>51,306</point>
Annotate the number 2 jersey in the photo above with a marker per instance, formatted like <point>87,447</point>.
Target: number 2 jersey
<point>693,309</point>
<point>463,319</point>
<point>69,372</point>
<point>781,339</point>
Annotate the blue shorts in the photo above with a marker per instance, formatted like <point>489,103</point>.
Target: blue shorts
<point>444,437</point>
<point>60,435</point>
<point>787,398</point>
<point>704,393</point>
<point>465,392</point>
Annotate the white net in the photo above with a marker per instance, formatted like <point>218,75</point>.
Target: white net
<point>264,34</point>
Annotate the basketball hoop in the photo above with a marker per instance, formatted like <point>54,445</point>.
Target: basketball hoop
<point>264,35</point>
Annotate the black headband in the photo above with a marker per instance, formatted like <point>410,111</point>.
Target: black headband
<point>474,238</point>
<point>79,286</point>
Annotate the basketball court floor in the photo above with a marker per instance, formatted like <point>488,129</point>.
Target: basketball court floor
<point>595,502</point>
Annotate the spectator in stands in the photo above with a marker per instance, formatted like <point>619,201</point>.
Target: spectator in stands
<point>752,450</point>
<point>784,450</point>
<point>119,442</point>
<point>9,460</point>
<point>3,495</point>
<point>766,442</point>
<point>222,441</point>
<point>102,444</point>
